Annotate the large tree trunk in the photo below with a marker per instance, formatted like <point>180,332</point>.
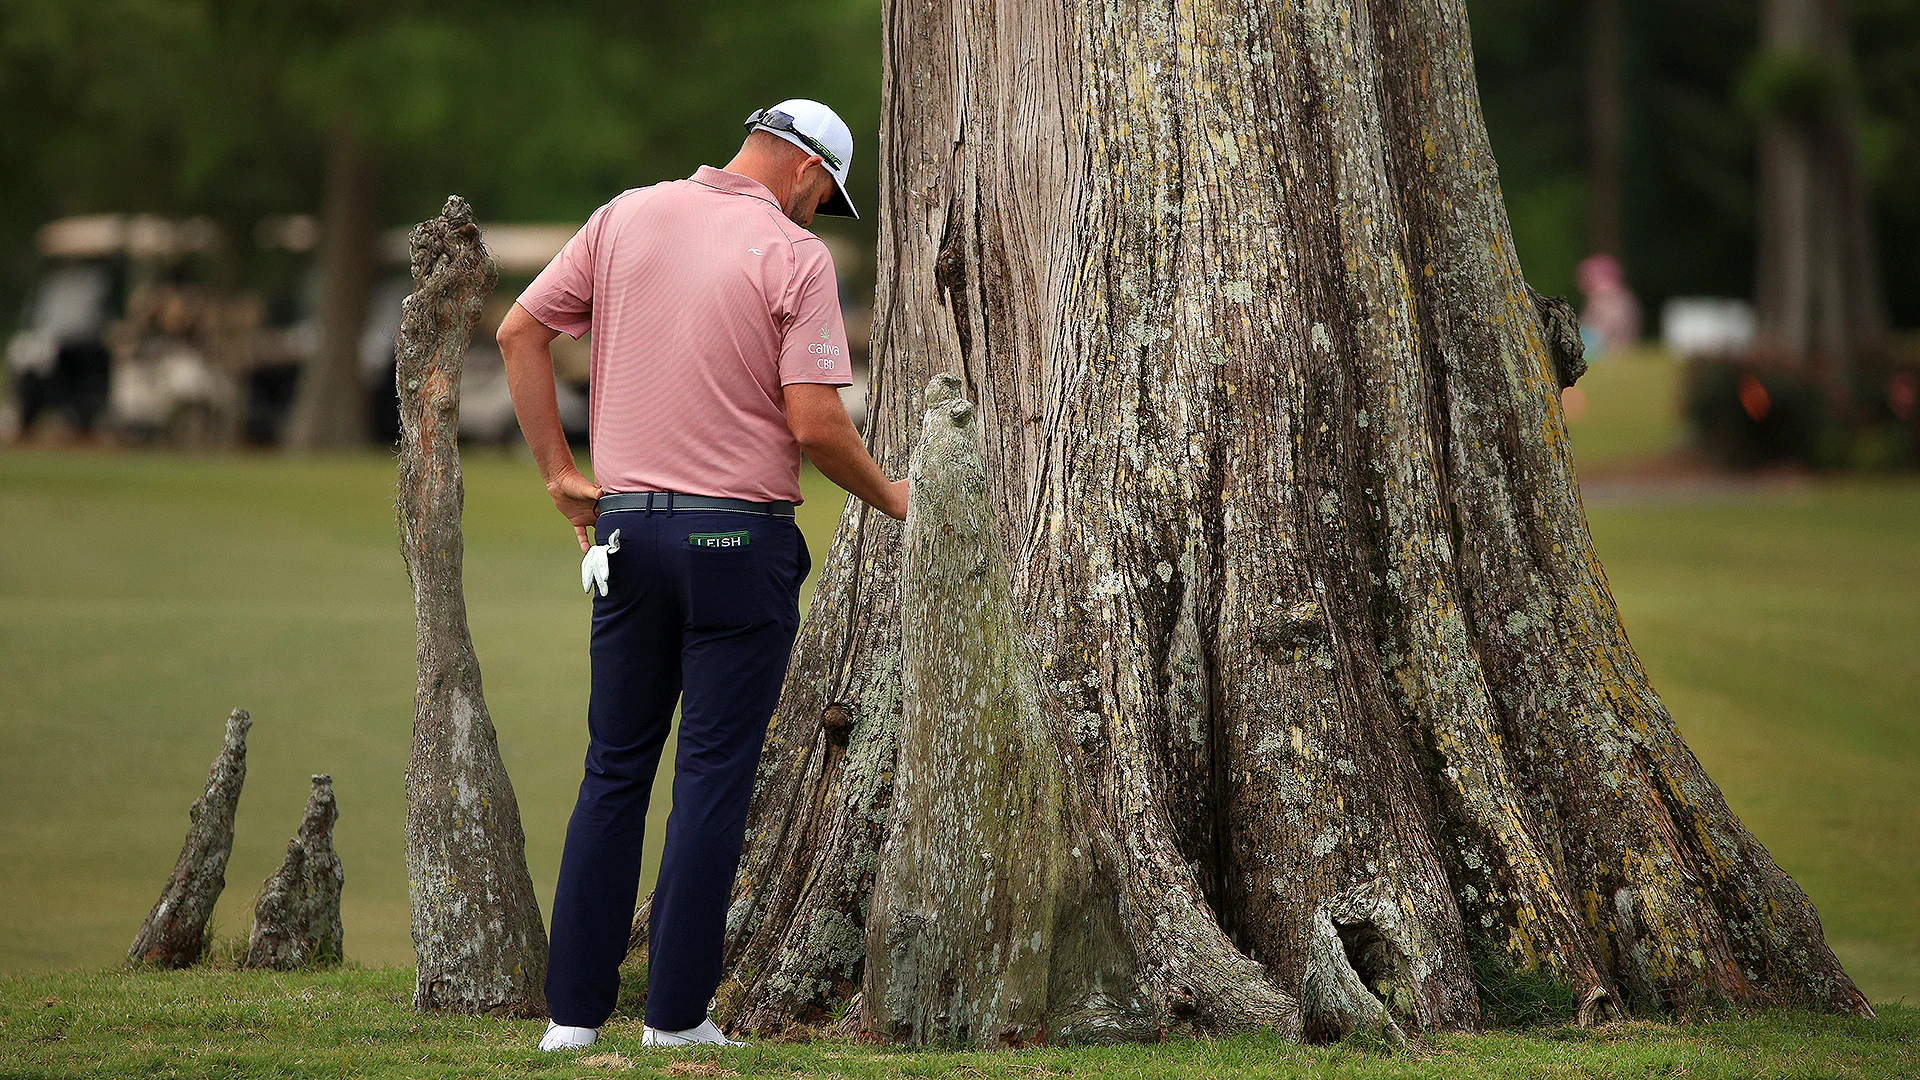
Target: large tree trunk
<point>1268,598</point>
<point>1819,302</point>
<point>331,409</point>
<point>477,934</point>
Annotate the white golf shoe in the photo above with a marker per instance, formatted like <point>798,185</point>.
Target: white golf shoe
<point>560,1037</point>
<point>707,1034</point>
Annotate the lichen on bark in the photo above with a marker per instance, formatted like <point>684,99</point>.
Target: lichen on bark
<point>477,936</point>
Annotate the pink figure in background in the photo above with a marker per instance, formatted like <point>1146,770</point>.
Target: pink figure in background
<point>1611,319</point>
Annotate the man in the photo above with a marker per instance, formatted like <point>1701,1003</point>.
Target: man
<point>717,354</point>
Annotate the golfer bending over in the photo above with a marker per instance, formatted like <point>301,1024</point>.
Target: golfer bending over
<point>717,348</point>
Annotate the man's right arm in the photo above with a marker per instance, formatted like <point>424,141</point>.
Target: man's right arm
<point>524,342</point>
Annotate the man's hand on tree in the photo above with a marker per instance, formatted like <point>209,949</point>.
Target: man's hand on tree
<point>579,499</point>
<point>896,507</point>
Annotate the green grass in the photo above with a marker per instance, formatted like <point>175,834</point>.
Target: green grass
<point>1781,627</point>
<point>357,1023</point>
<point>1782,631</point>
<point>143,595</point>
<point>1625,410</point>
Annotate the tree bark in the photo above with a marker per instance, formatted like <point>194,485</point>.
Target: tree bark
<point>994,916</point>
<point>1820,307</point>
<point>331,408</point>
<point>477,934</point>
<point>175,933</point>
<point>1326,683</point>
<point>296,920</point>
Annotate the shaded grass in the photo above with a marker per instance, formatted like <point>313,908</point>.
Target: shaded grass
<point>354,1022</point>
<point>1518,998</point>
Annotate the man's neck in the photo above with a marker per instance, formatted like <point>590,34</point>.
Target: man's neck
<point>753,168</point>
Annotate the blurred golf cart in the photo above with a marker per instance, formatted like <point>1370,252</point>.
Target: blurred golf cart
<point>120,334</point>
<point>123,334</point>
<point>486,407</point>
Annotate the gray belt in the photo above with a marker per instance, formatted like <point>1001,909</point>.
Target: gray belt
<point>668,501</point>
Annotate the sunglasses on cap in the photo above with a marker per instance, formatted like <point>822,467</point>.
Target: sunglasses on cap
<point>779,121</point>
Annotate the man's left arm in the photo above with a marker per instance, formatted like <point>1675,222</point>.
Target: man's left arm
<point>814,364</point>
<point>820,425</point>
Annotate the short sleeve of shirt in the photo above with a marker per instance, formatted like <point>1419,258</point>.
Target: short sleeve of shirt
<point>814,341</point>
<point>562,296</point>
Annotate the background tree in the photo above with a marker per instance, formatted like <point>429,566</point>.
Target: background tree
<point>1606,121</point>
<point>539,111</point>
<point>1269,453</point>
<point>1690,143</point>
<point>331,408</point>
<point>1818,299</point>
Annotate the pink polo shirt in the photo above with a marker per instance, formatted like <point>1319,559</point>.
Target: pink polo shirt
<point>704,300</point>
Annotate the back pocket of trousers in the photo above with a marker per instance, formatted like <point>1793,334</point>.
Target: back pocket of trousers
<point>725,584</point>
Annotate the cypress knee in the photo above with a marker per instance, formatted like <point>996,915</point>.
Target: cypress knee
<point>477,935</point>
<point>296,920</point>
<point>994,918</point>
<point>175,933</point>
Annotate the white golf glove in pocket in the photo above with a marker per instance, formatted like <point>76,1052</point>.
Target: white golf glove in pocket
<point>593,569</point>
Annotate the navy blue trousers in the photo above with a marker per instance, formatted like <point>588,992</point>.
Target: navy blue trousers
<point>702,607</point>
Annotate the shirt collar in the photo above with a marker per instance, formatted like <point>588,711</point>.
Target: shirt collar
<point>733,184</point>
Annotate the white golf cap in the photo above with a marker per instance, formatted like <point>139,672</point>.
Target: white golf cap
<point>816,129</point>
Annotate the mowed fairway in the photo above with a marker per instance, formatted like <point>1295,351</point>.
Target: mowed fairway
<point>1782,630</point>
<point>143,595</point>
